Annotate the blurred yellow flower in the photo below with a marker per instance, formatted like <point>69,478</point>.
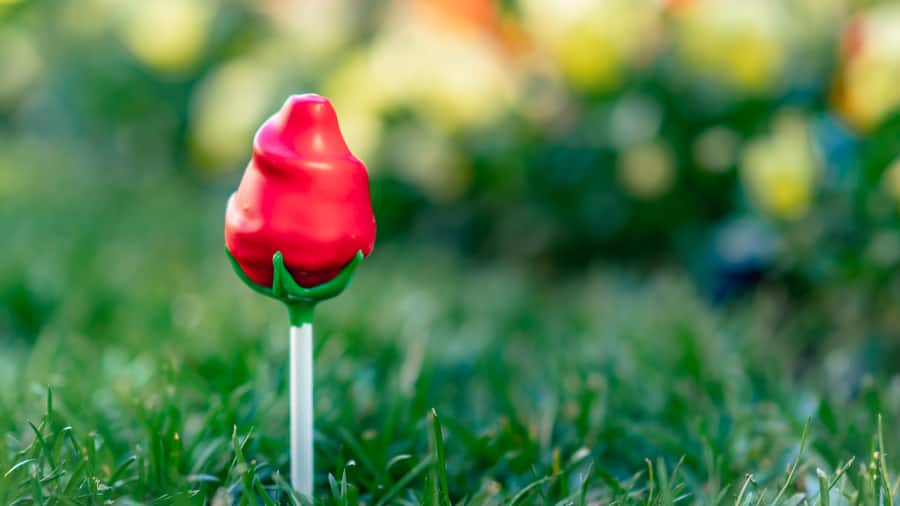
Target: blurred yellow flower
<point>738,43</point>
<point>425,157</point>
<point>318,28</point>
<point>780,170</point>
<point>20,64</point>
<point>362,130</point>
<point>227,108</point>
<point>87,18</point>
<point>470,85</point>
<point>869,84</point>
<point>595,43</point>
<point>647,170</point>
<point>359,105</point>
<point>891,180</point>
<point>167,35</point>
<point>456,78</point>
<point>820,18</point>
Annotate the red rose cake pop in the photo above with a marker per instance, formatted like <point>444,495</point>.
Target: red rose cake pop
<point>303,194</point>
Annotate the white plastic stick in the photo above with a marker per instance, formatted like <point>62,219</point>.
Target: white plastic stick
<point>302,409</point>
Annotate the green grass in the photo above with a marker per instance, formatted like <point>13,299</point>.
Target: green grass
<point>136,369</point>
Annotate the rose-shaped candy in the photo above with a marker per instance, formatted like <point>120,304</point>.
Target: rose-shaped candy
<point>303,194</point>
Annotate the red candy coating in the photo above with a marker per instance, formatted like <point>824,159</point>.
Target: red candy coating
<point>304,194</point>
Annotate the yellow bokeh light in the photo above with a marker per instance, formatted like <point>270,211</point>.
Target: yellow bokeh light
<point>780,170</point>
<point>595,44</point>
<point>868,89</point>
<point>318,28</point>
<point>425,157</point>
<point>891,180</point>
<point>734,42</point>
<point>647,170</point>
<point>457,79</point>
<point>20,64</point>
<point>227,108</point>
<point>168,35</point>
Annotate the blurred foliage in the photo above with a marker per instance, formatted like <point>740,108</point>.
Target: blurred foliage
<point>554,132</point>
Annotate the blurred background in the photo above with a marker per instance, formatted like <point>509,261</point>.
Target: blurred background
<point>745,144</point>
<point>743,154</point>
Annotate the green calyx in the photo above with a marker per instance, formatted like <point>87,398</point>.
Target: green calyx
<point>300,301</point>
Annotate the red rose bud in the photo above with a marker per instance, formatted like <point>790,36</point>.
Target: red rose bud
<point>303,194</point>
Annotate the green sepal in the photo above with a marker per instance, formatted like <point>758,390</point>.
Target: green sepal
<point>300,301</point>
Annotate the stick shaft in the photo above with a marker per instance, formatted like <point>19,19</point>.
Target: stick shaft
<point>302,409</point>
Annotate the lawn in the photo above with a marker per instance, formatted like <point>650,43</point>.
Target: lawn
<point>137,369</point>
<point>629,252</point>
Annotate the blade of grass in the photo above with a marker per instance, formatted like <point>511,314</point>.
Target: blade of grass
<point>885,479</point>
<point>247,474</point>
<point>405,480</point>
<point>18,466</point>
<point>296,499</point>
<point>440,464</point>
<point>794,466</point>
<point>740,497</point>
<point>525,492</point>
<point>260,490</point>
<point>585,480</point>
<point>824,488</point>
